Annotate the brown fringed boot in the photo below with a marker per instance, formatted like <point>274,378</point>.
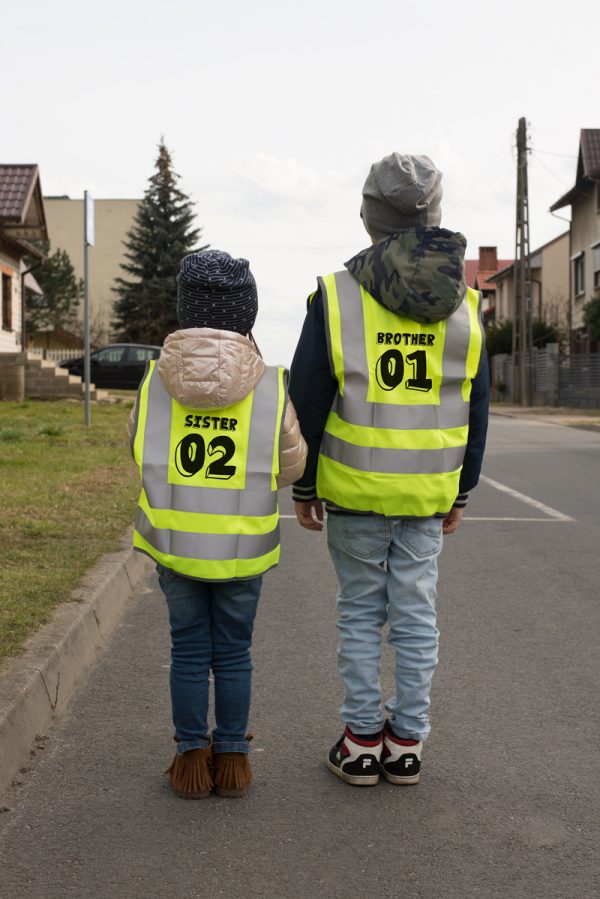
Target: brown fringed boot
<point>190,773</point>
<point>232,774</point>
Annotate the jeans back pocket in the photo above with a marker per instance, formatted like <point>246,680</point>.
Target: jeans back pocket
<point>422,537</point>
<point>366,536</point>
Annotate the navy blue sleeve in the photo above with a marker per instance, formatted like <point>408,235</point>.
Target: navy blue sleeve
<point>478,423</point>
<point>312,391</point>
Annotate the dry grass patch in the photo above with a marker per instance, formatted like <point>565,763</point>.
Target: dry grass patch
<point>68,493</point>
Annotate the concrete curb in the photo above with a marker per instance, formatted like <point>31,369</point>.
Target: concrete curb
<point>579,422</point>
<point>36,686</point>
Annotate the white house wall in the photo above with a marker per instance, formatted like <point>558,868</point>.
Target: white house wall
<point>585,230</point>
<point>10,341</point>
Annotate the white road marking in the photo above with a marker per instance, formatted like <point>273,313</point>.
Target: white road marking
<point>553,515</point>
<point>547,510</point>
<point>497,518</point>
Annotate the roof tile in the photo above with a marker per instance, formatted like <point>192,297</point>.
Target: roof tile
<point>590,151</point>
<point>15,187</point>
<point>484,280</point>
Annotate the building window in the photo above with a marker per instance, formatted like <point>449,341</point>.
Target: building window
<point>6,302</point>
<point>596,264</point>
<point>579,273</point>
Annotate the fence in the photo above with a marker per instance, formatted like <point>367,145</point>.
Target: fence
<point>53,354</point>
<point>568,381</point>
<point>579,382</point>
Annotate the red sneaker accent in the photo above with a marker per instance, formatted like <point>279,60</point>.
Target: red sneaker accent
<point>358,740</point>
<point>389,733</point>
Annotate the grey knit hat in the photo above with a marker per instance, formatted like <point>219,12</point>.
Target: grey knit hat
<point>401,192</point>
<point>214,290</point>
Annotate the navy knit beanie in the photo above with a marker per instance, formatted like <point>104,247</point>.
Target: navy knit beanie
<point>216,291</point>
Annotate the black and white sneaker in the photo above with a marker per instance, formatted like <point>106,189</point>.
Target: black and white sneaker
<point>400,759</point>
<point>356,760</point>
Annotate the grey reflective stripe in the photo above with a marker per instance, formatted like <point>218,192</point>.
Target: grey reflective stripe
<point>392,461</point>
<point>388,416</point>
<point>136,411</point>
<point>213,547</point>
<point>454,360</point>
<point>257,499</point>
<point>354,345</point>
<point>264,426</point>
<point>211,501</point>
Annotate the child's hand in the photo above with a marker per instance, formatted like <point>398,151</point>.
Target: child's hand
<point>304,514</point>
<point>452,520</point>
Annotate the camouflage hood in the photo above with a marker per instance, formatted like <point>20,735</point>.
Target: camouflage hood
<point>418,272</point>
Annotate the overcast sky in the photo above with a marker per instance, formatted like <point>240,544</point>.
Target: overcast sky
<point>274,112</point>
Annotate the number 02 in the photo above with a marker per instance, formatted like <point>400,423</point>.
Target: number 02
<point>190,456</point>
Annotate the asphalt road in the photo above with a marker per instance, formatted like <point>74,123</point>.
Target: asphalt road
<point>508,801</point>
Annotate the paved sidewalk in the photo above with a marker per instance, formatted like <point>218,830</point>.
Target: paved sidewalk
<point>587,419</point>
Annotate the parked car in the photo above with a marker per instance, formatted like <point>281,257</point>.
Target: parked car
<point>118,365</point>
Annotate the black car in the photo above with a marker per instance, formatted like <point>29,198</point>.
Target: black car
<point>118,365</point>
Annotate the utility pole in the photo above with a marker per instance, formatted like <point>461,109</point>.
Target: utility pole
<point>522,342</point>
<point>88,241</point>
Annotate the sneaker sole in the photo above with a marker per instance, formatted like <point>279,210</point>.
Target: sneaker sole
<point>400,781</point>
<point>371,781</point>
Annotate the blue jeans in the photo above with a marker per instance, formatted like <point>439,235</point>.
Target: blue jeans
<point>211,629</point>
<point>387,571</point>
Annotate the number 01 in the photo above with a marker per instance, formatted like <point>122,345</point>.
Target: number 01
<point>390,370</point>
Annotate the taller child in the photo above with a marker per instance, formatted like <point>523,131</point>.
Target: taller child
<point>390,384</point>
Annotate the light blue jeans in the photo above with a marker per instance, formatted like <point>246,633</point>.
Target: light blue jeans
<point>387,571</point>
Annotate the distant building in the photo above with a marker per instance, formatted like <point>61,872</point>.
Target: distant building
<point>22,219</point>
<point>549,266</point>
<point>479,274</point>
<point>113,220</point>
<point>584,249</point>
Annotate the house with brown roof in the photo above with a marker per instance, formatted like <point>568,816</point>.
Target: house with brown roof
<point>22,219</point>
<point>479,274</point>
<point>584,236</point>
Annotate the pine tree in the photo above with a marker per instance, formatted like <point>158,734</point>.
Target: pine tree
<point>162,234</point>
<point>61,293</point>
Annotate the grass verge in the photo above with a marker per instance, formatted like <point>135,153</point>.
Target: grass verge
<point>68,493</point>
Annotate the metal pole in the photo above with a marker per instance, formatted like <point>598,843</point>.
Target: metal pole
<point>86,316</point>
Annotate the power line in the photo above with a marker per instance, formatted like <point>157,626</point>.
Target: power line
<point>476,202</point>
<point>473,192</point>
<point>548,169</point>
<point>552,153</point>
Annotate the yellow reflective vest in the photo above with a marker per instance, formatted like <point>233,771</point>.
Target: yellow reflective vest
<point>208,506</point>
<point>396,435</point>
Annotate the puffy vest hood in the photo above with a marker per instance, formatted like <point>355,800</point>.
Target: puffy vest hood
<point>417,272</point>
<point>208,369</point>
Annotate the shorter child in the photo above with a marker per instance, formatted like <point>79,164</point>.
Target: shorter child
<point>214,436</point>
